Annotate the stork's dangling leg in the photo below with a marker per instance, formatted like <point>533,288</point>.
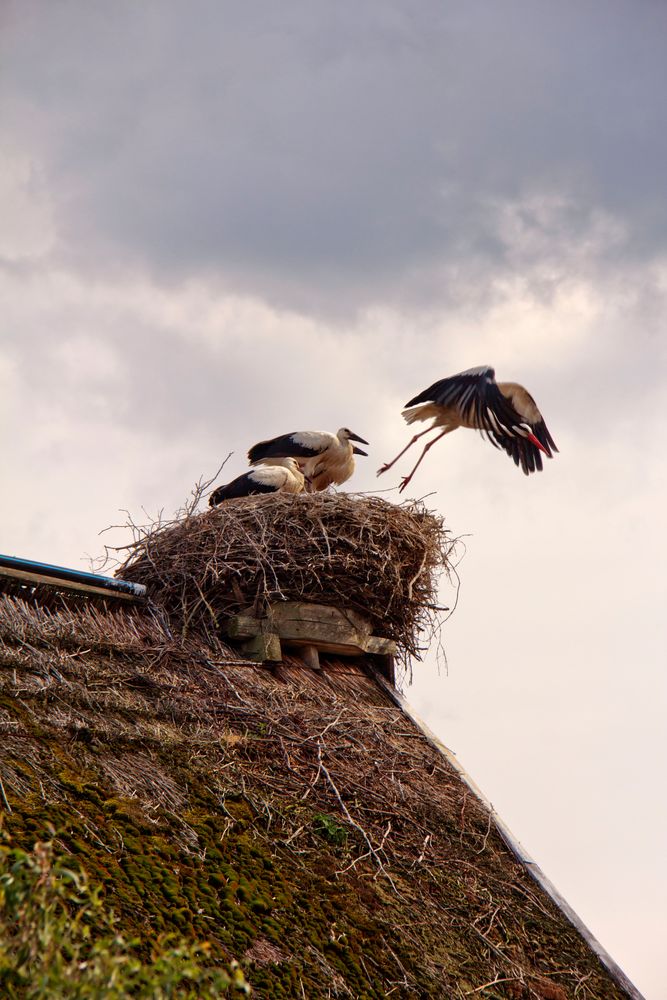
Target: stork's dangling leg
<point>388,465</point>
<point>308,484</point>
<point>406,479</point>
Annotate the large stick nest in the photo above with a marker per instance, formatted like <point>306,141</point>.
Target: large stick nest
<point>355,552</point>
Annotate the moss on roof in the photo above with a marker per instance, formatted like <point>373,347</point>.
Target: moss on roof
<point>296,819</point>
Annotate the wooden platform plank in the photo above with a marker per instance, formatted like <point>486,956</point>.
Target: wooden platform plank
<point>306,625</point>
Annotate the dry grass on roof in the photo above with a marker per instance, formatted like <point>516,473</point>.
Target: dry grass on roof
<point>301,803</point>
<point>351,551</point>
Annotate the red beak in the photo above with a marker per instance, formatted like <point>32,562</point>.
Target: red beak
<point>538,444</point>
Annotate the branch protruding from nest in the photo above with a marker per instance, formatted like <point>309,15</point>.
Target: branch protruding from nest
<point>350,551</point>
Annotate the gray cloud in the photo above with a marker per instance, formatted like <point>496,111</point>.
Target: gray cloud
<point>315,153</point>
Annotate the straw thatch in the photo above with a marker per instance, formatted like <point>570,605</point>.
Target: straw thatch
<point>354,552</point>
<point>296,819</point>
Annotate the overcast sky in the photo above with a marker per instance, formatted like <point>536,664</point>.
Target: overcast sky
<point>225,221</point>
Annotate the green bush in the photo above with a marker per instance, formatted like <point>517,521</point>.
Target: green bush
<point>59,940</point>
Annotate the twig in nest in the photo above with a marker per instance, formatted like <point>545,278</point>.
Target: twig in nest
<point>357,553</point>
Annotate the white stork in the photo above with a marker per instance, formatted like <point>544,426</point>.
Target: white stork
<point>278,476</point>
<point>324,458</point>
<point>504,412</point>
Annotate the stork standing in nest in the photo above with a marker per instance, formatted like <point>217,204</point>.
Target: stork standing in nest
<point>281,475</point>
<point>324,458</point>
<point>504,412</point>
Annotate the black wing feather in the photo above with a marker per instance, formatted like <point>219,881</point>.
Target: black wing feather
<point>473,393</point>
<point>541,432</point>
<point>476,396</point>
<point>281,447</point>
<point>242,486</point>
<point>524,453</point>
<point>456,390</point>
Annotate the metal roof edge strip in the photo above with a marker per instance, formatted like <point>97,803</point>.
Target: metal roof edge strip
<point>514,845</point>
<point>72,579</point>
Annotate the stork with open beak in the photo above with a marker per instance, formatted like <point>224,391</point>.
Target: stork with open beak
<point>324,458</point>
<point>504,412</point>
<point>281,475</point>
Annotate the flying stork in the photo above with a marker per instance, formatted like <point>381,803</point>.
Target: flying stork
<point>277,476</point>
<point>324,458</point>
<point>504,412</point>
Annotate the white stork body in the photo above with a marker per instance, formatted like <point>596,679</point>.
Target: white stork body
<point>324,458</point>
<point>280,475</point>
<point>504,412</point>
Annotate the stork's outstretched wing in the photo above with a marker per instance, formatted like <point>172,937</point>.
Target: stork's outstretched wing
<point>475,397</point>
<point>507,416</point>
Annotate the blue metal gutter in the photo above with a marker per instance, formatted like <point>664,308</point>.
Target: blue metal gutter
<point>31,572</point>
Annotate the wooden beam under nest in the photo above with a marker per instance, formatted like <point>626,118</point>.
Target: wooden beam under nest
<point>311,628</point>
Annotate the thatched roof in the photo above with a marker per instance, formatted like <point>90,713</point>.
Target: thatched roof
<point>298,820</point>
<point>301,820</point>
